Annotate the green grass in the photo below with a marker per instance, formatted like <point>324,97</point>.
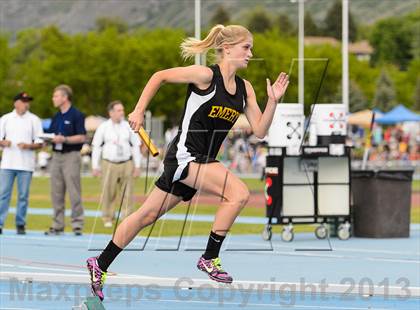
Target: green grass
<point>91,189</point>
<point>168,227</point>
<point>161,228</point>
<point>179,209</point>
<point>416,186</point>
<point>254,185</point>
<point>415,215</point>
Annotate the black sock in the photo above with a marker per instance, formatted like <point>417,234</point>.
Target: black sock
<point>213,246</point>
<point>108,255</point>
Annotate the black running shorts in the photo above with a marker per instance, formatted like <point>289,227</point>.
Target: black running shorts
<point>176,188</point>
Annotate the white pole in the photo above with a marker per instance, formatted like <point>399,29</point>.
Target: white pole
<point>345,53</point>
<point>301,76</point>
<point>148,121</point>
<point>197,26</point>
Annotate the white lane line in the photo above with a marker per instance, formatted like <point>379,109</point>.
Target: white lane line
<point>294,246</point>
<point>221,303</point>
<point>332,288</point>
<point>8,308</point>
<point>43,268</point>
<point>20,309</point>
<point>391,260</point>
<point>376,251</point>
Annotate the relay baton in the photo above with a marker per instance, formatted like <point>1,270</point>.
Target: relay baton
<point>149,143</point>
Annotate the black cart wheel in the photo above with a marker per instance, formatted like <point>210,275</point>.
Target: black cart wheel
<point>343,231</point>
<point>321,232</point>
<point>287,234</point>
<point>267,233</point>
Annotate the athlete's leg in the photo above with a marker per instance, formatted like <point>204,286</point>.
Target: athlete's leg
<point>157,203</point>
<point>216,179</point>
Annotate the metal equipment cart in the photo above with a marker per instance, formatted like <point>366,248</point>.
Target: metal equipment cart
<point>310,188</point>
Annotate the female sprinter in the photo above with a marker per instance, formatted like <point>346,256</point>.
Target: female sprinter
<point>215,99</point>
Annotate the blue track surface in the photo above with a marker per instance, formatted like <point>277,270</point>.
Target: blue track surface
<point>267,275</point>
<point>66,297</point>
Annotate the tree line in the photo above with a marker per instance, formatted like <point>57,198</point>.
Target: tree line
<point>113,62</point>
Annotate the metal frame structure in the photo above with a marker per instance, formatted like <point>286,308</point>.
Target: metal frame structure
<point>275,194</point>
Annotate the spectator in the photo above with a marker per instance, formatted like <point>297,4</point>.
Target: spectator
<point>68,125</point>
<point>170,133</point>
<point>19,136</point>
<point>116,156</point>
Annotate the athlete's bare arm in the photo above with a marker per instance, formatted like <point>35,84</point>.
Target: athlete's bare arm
<point>200,76</point>
<point>260,122</point>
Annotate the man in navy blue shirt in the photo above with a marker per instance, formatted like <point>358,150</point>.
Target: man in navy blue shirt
<point>68,125</point>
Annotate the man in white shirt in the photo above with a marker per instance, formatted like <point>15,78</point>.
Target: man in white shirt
<point>116,157</point>
<point>19,137</point>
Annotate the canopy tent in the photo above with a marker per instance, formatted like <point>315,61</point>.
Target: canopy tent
<point>46,122</point>
<point>399,114</point>
<point>363,118</point>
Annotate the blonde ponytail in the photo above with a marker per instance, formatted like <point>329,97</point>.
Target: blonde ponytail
<point>217,36</point>
<point>192,46</point>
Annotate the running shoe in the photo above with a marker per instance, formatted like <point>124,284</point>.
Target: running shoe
<point>214,270</point>
<point>97,277</point>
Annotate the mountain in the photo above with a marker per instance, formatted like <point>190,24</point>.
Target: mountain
<point>79,15</point>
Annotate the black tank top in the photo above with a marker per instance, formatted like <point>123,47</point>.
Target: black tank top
<point>207,118</point>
